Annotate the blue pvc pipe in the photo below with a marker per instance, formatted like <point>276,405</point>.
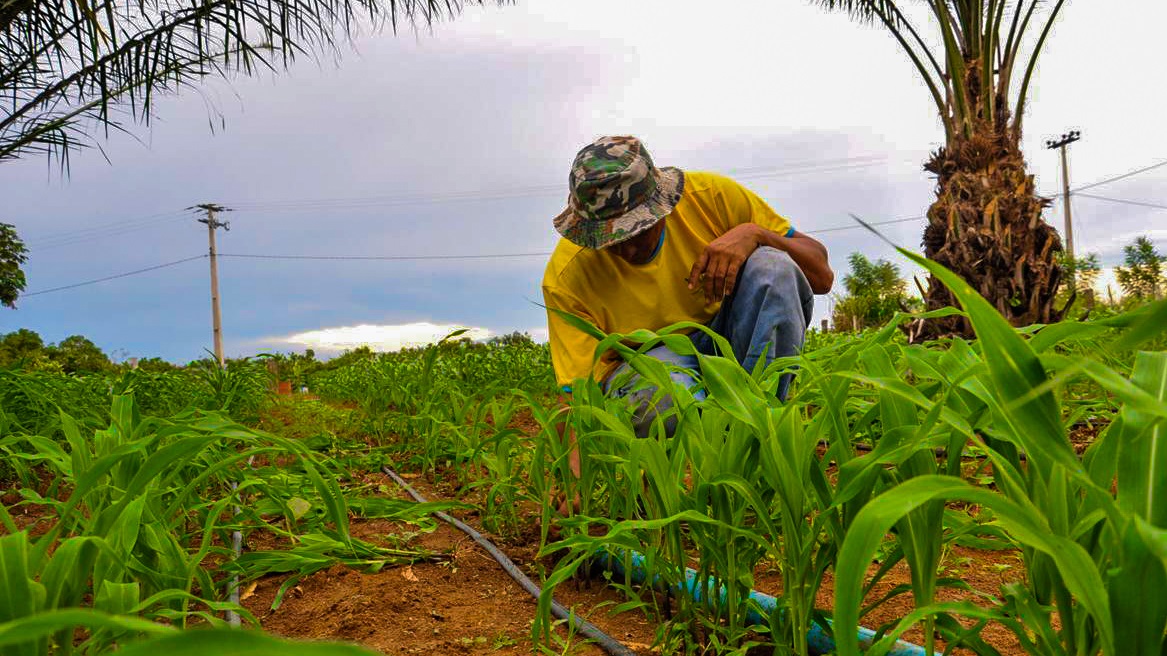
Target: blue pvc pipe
<point>817,640</point>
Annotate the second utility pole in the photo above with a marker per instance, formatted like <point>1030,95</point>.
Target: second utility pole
<point>216,317</point>
<point>1061,144</point>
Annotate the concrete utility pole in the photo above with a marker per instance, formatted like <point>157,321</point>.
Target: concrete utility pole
<point>1066,140</point>
<point>216,318</point>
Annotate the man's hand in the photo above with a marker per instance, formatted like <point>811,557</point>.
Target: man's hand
<point>717,268</point>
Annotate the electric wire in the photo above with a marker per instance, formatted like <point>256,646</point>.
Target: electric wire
<point>1116,178</point>
<point>1124,201</point>
<point>822,166</point>
<point>470,256</point>
<point>125,226</point>
<point>873,223</point>
<point>85,239</point>
<point>386,258</point>
<point>381,258</point>
<point>115,227</point>
<point>114,277</point>
<point>489,256</point>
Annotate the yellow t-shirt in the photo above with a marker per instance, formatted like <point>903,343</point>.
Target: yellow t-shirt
<point>619,297</point>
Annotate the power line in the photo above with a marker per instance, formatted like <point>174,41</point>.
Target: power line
<point>1124,201</point>
<point>487,256</point>
<point>388,258</point>
<point>1114,179</point>
<point>113,277</point>
<point>84,239</point>
<point>874,223</point>
<point>382,258</point>
<point>115,226</point>
<point>804,168</point>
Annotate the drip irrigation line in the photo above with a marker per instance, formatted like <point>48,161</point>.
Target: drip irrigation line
<point>1137,203</point>
<point>605,641</point>
<point>237,549</point>
<point>113,277</point>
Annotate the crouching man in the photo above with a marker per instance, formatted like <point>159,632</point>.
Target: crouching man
<point>646,247</point>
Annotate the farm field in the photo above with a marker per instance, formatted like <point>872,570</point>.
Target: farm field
<point>969,458</point>
<point>1002,496</point>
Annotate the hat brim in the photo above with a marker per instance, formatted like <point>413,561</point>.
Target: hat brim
<point>603,233</point>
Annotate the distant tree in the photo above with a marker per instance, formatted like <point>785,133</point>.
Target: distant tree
<point>20,345</point>
<point>352,356</point>
<point>78,355</point>
<point>1143,276</point>
<point>875,292</point>
<point>511,339</point>
<point>155,365</point>
<point>12,255</point>
<point>1079,275</point>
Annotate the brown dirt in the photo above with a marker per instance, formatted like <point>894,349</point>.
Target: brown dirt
<point>469,604</point>
<point>1083,435</point>
<point>984,571</point>
<point>463,606</point>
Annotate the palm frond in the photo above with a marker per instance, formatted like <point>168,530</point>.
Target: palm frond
<point>71,68</point>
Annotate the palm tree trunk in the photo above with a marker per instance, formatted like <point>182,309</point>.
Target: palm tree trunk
<point>986,226</point>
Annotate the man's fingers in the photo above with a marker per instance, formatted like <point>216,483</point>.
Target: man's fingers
<point>707,280</point>
<point>714,278</point>
<point>725,279</point>
<point>698,268</point>
<point>730,281</point>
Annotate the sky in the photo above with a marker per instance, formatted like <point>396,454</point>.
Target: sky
<point>457,140</point>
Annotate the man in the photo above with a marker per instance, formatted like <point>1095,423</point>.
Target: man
<point>645,248</point>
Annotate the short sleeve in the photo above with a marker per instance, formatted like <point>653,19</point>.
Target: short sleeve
<point>572,350</point>
<point>744,206</point>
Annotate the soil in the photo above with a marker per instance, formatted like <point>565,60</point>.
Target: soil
<point>463,605</point>
<point>470,605</point>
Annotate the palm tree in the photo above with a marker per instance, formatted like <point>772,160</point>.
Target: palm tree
<point>986,223</point>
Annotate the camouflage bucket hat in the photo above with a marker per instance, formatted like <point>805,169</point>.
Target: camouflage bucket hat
<point>616,193</point>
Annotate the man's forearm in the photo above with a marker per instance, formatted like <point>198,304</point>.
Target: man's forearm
<point>807,253</point>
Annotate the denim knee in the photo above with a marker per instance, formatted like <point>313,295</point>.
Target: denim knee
<point>771,267</point>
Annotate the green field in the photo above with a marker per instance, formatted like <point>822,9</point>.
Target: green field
<point>123,490</point>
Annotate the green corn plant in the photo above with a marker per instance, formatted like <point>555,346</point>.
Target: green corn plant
<point>130,495</point>
<point>1085,550</point>
<point>720,444</point>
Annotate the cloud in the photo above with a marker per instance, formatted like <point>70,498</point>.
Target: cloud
<point>379,337</point>
<point>539,334</point>
<point>1112,244</point>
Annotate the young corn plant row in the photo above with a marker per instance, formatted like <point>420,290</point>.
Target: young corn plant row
<point>848,467</point>
<point>449,407</point>
<point>129,537</point>
<point>816,486</point>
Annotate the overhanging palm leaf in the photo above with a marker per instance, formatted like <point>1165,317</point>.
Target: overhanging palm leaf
<point>70,66</point>
<point>986,223</point>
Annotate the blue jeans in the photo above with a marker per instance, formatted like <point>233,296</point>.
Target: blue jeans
<point>766,317</point>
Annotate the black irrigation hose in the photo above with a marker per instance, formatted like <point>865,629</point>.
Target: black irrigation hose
<point>591,631</point>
